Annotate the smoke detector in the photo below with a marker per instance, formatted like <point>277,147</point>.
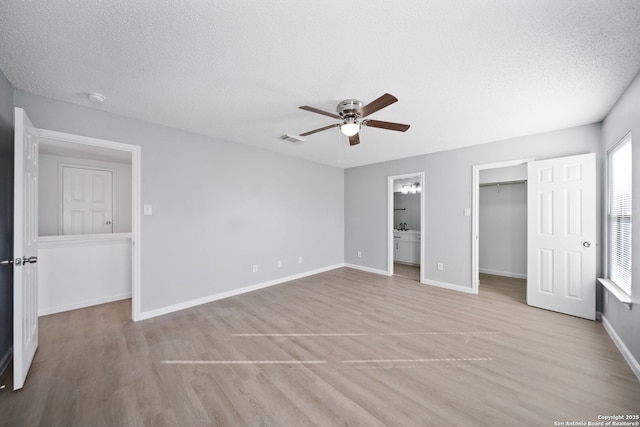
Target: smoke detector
<point>96,97</point>
<point>292,138</point>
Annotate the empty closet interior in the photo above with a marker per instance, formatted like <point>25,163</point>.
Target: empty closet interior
<point>503,221</point>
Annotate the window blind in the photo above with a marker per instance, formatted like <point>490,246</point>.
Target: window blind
<point>619,215</point>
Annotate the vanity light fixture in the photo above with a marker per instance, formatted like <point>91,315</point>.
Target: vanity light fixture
<point>411,188</point>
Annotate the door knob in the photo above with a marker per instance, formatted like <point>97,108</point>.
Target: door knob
<point>6,262</point>
<point>586,244</point>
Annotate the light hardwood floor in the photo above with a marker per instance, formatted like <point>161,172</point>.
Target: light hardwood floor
<point>407,271</point>
<point>380,351</point>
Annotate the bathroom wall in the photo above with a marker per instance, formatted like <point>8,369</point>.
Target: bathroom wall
<point>410,202</point>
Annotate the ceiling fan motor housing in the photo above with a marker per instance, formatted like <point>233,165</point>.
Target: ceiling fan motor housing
<point>349,108</point>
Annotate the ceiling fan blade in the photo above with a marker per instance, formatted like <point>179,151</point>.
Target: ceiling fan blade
<point>386,125</point>
<point>320,129</point>
<point>378,104</point>
<point>315,110</point>
<point>354,139</point>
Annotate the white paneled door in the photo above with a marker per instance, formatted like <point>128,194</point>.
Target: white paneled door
<point>25,248</point>
<point>87,200</point>
<point>561,250</point>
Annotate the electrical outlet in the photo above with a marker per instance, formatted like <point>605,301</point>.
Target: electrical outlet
<point>440,266</point>
<point>299,260</point>
<point>279,263</point>
<point>359,254</point>
<point>255,268</point>
<point>606,297</point>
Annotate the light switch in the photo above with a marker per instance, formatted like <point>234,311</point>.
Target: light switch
<point>148,209</point>
<point>467,211</point>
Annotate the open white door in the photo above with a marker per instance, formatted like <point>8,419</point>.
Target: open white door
<point>561,249</point>
<point>25,248</point>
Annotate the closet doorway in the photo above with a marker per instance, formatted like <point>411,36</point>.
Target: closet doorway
<point>405,236</point>
<point>499,257</point>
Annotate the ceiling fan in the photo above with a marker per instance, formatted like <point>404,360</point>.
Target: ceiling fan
<point>352,113</point>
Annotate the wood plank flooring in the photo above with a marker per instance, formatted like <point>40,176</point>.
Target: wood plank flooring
<point>340,348</point>
<point>407,271</point>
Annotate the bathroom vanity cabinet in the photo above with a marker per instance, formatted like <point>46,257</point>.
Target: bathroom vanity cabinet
<point>406,246</point>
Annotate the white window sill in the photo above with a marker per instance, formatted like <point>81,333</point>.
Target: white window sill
<point>622,296</point>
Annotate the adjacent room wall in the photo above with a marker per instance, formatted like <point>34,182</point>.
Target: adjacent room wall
<point>49,192</point>
<point>411,214</point>
<point>447,190</point>
<point>218,208</point>
<point>6,219</point>
<point>623,118</point>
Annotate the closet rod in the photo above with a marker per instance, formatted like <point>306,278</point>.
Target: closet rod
<point>489,184</point>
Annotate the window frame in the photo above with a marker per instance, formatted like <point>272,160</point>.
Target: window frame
<point>619,291</point>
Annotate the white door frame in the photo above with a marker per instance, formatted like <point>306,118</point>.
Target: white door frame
<point>390,180</point>
<point>136,162</point>
<point>475,214</point>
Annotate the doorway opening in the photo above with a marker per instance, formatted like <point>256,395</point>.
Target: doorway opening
<point>561,229</point>
<point>89,220</point>
<point>405,225</point>
<point>499,225</point>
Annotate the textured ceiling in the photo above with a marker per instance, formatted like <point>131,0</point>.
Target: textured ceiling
<point>465,72</point>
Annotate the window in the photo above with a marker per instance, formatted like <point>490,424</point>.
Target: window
<point>619,215</point>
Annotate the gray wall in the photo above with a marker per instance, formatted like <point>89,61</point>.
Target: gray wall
<point>218,208</point>
<point>447,190</point>
<point>49,193</point>
<point>410,202</point>
<point>6,218</point>
<point>503,230</point>
<point>623,118</point>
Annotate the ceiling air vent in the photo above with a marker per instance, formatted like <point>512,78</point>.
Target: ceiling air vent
<point>292,139</point>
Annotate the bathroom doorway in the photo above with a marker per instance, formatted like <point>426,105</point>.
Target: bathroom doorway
<point>406,205</point>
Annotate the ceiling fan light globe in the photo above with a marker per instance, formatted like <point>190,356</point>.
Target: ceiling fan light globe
<point>350,129</point>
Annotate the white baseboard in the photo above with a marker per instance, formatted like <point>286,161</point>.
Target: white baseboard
<point>368,269</point>
<point>633,363</point>
<point>448,286</point>
<point>82,304</point>
<point>6,358</point>
<point>215,297</point>
<point>503,273</point>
